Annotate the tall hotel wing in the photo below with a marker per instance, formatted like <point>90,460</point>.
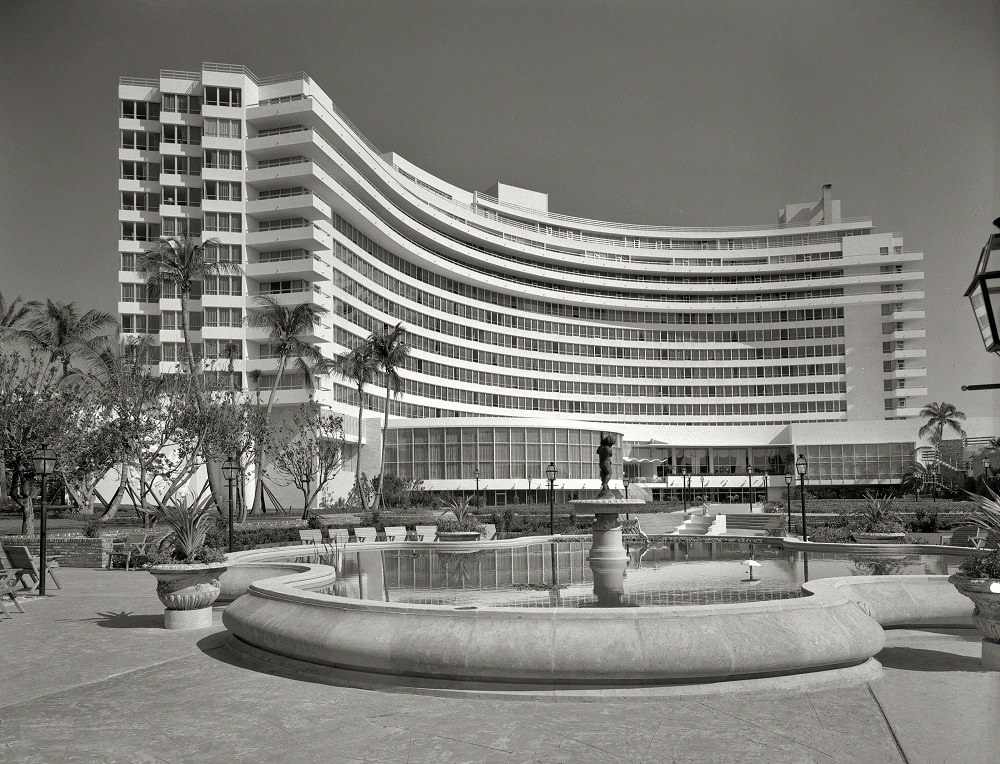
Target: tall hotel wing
<point>704,348</point>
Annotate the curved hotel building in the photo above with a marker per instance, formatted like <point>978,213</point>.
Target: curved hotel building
<point>705,349</point>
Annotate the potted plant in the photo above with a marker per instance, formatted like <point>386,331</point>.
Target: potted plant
<point>462,525</point>
<point>978,578</point>
<point>877,522</point>
<point>187,571</point>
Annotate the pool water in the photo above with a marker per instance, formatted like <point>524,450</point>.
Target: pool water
<point>522,577</point>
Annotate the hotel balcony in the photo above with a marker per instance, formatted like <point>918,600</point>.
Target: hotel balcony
<point>139,184</point>
<point>285,143</point>
<point>294,173</point>
<point>897,355</point>
<point>308,206</point>
<point>306,237</point>
<point>309,267</point>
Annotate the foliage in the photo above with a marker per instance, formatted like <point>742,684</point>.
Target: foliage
<point>924,521</point>
<point>359,366</point>
<point>503,519</point>
<point>939,417</point>
<point>398,493</point>
<point>987,512</point>
<point>878,565</point>
<point>457,505</point>
<point>987,566</point>
<point>189,523</point>
<point>249,538</point>
<point>309,451</point>
<point>61,331</point>
<point>773,507</point>
<point>467,523</point>
<point>877,516</point>
<point>830,534</point>
<point>390,350</point>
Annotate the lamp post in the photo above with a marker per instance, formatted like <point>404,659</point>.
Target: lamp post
<point>685,485</point>
<point>43,461</point>
<point>230,469</point>
<point>986,472</point>
<point>550,473</point>
<point>788,495</point>
<point>750,487</point>
<point>625,483</point>
<point>983,293</point>
<point>802,467</point>
<point>476,475</point>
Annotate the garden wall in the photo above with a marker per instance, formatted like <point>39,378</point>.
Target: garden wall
<point>73,551</point>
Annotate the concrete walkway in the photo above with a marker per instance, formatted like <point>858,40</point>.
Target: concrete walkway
<point>88,675</point>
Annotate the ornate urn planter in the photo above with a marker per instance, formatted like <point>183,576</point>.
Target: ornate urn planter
<point>187,591</point>
<point>458,535</point>
<point>985,593</point>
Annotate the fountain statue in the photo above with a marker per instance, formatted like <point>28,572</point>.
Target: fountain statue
<point>608,557</point>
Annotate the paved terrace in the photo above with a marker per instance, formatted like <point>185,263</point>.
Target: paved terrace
<point>88,675</point>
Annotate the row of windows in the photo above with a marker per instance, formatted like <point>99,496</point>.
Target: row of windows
<point>140,200</point>
<point>140,231</point>
<point>181,165</point>
<point>140,171</point>
<point>139,324</point>
<point>223,317</point>
<point>232,253</point>
<point>224,159</point>
<point>182,195</point>
<point>182,104</point>
<point>180,226</point>
<point>137,139</point>
<point>223,221</point>
<point>782,412</point>
<point>225,285</point>
<point>224,348</point>
<point>228,191</point>
<point>217,127</point>
<point>219,96</point>
<point>394,261</point>
<point>140,109</point>
<point>182,134</point>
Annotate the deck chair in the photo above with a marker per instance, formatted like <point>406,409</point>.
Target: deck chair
<point>364,534</point>
<point>395,533</point>
<point>133,544</point>
<point>338,536</point>
<point>8,581</point>
<point>27,566</point>
<point>312,536</point>
<point>490,532</point>
<point>426,532</point>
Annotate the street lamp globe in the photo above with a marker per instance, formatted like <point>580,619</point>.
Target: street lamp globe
<point>44,461</point>
<point>984,292</point>
<point>230,469</point>
<point>801,465</point>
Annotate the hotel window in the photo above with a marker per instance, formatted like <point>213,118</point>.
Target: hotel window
<point>135,293</point>
<point>223,221</point>
<point>181,227</point>
<point>222,190</point>
<point>232,253</point>
<point>182,104</point>
<point>186,197</point>
<point>181,165</point>
<point>140,110</point>
<point>232,317</point>
<point>140,231</point>
<point>224,285</point>
<point>140,171</point>
<point>185,134</point>
<point>221,348</point>
<point>284,287</point>
<point>217,96</point>
<point>140,201</point>
<point>139,324</point>
<point>223,128</point>
<point>137,139</point>
<point>224,160</point>
<point>171,320</point>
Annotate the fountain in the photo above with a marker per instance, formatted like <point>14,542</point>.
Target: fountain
<point>608,557</point>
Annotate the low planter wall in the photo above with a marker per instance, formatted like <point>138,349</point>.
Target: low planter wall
<point>896,601</point>
<point>73,551</point>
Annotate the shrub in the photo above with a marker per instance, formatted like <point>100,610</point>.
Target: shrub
<point>982,567</point>
<point>877,516</point>
<point>829,533</point>
<point>468,523</point>
<point>924,521</point>
<point>249,538</point>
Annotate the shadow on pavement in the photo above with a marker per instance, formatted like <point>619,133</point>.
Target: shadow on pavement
<point>917,659</point>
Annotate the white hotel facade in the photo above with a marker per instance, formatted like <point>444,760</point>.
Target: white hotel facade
<point>704,349</point>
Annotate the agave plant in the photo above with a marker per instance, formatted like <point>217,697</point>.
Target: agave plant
<point>188,523</point>
<point>877,516</point>
<point>459,506</point>
<point>987,515</point>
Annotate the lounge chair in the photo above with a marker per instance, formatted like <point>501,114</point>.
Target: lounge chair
<point>9,579</point>
<point>311,536</point>
<point>395,533</point>
<point>338,536</point>
<point>426,532</point>
<point>134,544</point>
<point>364,534</point>
<point>27,566</point>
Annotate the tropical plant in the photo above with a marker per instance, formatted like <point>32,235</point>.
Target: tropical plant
<point>876,516</point>
<point>987,566</point>
<point>457,505</point>
<point>390,349</point>
<point>309,451</point>
<point>175,265</point>
<point>941,416</point>
<point>14,317</point>
<point>61,331</point>
<point>987,512</point>
<point>188,522</point>
<point>358,365</point>
<point>917,476</point>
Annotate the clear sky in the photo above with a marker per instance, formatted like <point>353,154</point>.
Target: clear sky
<point>697,112</point>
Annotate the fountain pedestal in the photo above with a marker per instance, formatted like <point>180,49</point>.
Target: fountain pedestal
<point>608,557</point>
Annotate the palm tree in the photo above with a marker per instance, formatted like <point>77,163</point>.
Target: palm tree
<point>285,326</point>
<point>939,417</point>
<point>58,329</point>
<point>390,349</point>
<point>179,262</point>
<point>360,367</point>
<point>14,316</point>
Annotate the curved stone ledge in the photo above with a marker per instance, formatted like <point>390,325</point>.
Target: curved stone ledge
<point>793,544</point>
<point>240,575</point>
<point>594,647</point>
<point>900,600</point>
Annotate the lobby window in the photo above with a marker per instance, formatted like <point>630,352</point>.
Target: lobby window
<point>182,104</point>
<point>218,96</point>
<point>140,110</point>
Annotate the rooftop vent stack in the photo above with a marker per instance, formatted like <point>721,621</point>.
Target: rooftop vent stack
<point>828,216</point>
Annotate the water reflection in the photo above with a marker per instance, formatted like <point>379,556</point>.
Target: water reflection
<point>558,574</point>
